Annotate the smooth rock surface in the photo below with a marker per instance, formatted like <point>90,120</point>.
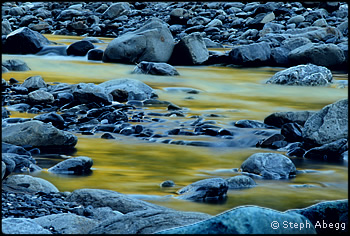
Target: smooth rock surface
<point>76,165</point>
<point>22,226</point>
<point>34,184</point>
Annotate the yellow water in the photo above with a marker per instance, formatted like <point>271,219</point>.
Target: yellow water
<point>131,166</point>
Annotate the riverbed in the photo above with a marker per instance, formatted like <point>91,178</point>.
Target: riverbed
<point>224,95</point>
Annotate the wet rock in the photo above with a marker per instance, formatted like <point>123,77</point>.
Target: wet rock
<point>5,113</point>
<point>9,165</point>
<point>328,152</point>
<point>240,182</point>
<point>68,14</point>
<point>252,124</point>
<point>155,69</point>
<point>292,132</point>
<point>22,226</point>
<point>247,220</point>
<point>24,41</point>
<point>304,75</point>
<point>278,119</point>
<point>15,65</point>
<point>212,189</point>
<point>34,184</point>
<point>10,148</point>
<point>76,165</point>
<point>152,42</point>
<point>79,48</point>
<point>269,166</point>
<point>33,83</point>
<point>95,54</point>
<point>116,10</point>
<point>253,54</point>
<point>87,93</point>
<point>5,27</point>
<point>327,125</point>
<point>271,142</point>
<point>22,163</point>
<point>37,134</point>
<point>3,169</point>
<point>167,183</point>
<point>190,50</point>
<point>107,136</point>
<point>40,97</point>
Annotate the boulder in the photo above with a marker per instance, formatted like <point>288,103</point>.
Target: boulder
<point>116,10</point>
<point>154,68</point>
<point>31,183</point>
<point>95,54</point>
<point>33,83</point>
<point>66,223</point>
<point>254,54</point>
<point>15,65</point>
<point>76,165</point>
<point>303,75</point>
<point>55,119</point>
<point>269,166</point>
<point>278,119</point>
<point>87,93</point>
<point>40,97</point>
<point>212,189</point>
<point>292,132</point>
<point>190,50</point>
<point>24,41</point>
<point>53,50</point>
<point>137,90</point>
<point>147,222</point>
<point>248,220</point>
<point>152,42</point>
<point>22,226</point>
<point>79,48</point>
<point>328,152</point>
<point>37,134</point>
<point>327,125</point>
<point>240,182</point>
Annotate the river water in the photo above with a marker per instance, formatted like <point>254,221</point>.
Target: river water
<point>132,166</point>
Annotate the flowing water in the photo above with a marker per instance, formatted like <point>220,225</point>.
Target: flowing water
<point>132,166</point>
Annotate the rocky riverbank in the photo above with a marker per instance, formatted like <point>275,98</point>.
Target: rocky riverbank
<point>309,38</point>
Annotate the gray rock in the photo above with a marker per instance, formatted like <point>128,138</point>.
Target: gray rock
<point>303,75</point>
<point>152,42</point>
<point>79,48</point>
<point>10,165</point>
<point>53,50</point>
<point>34,83</point>
<point>10,148</point>
<point>323,214</point>
<point>137,90</point>
<point>147,222</point>
<point>190,50</point>
<point>108,198</point>
<point>40,97</point>
<point>37,134</point>
<point>293,43</point>
<point>15,65</point>
<point>87,93</point>
<point>76,165</point>
<point>167,183</point>
<point>22,226</point>
<point>5,27</point>
<point>31,183</point>
<point>68,14</point>
<point>252,54</point>
<point>329,152</point>
<point>103,213</point>
<point>3,169</point>
<point>67,223</point>
<point>269,166</point>
<point>240,181</point>
<point>116,10</point>
<point>296,19</point>
<point>95,54</point>
<point>5,113</point>
<point>248,220</point>
<point>278,119</point>
<point>212,189</point>
<point>327,125</point>
<point>55,119</point>
<point>22,163</point>
<point>153,68</point>
<point>252,124</point>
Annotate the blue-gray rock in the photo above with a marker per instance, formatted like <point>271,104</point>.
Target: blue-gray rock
<point>3,169</point>
<point>40,97</point>
<point>95,54</point>
<point>53,51</point>
<point>269,166</point>
<point>22,226</point>
<point>5,27</point>
<point>328,152</point>
<point>79,48</point>
<point>252,124</point>
<point>240,182</point>
<point>278,119</point>
<point>303,75</point>
<point>55,119</point>
<point>23,163</point>
<point>327,125</point>
<point>248,220</point>
<point>34,83</point>
<point>87,93</point>
<point>154,68</point>
<point>76,165</point>
<point>292,132</point>
<point>116,10</point>
<point>15,65</point>
<point>252,54</point>
<point>31,183</point>
<point>10,148</point>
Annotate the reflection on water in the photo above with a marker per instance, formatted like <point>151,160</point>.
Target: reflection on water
<point>226,94</point>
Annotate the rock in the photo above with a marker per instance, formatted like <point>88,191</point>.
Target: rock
<point>248,220</point>
<point>296,19</point>
<point>95,54</point>
<point>292,132</point>
<point>108,198</point>
<point>40,97</point>
<point>328,55</point>
<point>10,165</point>
<point>34,184</point>
<point>5,27</point>
<point>153,68</point>
<point>328,152</point>
<point>255,54</point>
<point>167,183</point>
<point>303,75</point>
<point>22,226</point>
<point>278,119</point>
<point>79,48</point>
<point>3,169</point>
<point>86,93</point>
<point>15,65</point>
<point>24,41</point>
<point>327,125</point>
<point>152,42</point>
<point>53,51</point>
<point>68,14</point>
<point>240,182</point>
<point>147,222</point>
<point>56,119</point>
<point>190,50</point>
<point>252,124</point>
<point>116,10</point>
<point>212,189</point>
<point>107,136</point>
<point>10,148</point>
<point>76,165</point>
<point>270,142</point>
<point>137,90</point>
<point>103,213</point>
<point>37,134</point>
<point>269,166</point>
<point>22,163</point>
<point>328,217</point>
<point>33,83</point>
<point>66,223</point>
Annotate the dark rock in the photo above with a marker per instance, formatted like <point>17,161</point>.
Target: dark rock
<point>10,148</point>
<point>5,27</point>
<point>167,183</point>
<point>212,189</point>
<point>292,132</point>
<point>86,93</point>
<point>95,54</point>
<point>278,119</point>
<point>76,165</point>
<point>328,152</point>
<point>20,90</point>
<point>107,136</point>
<point>252,124</point>
<point>40,97</point>
<point>53,50</point>
<point>155,69</point>
<point>116,10</point>
<point>269,166</point>
<point>240,182</point>
<point>21,107</point>
<point>255,54</point>
<point>68,14</point>
<point>269,141</point>
<point>52,117</point>
<point>33,83</point>
<point>79,48</point>
<point>120,95</point>
<point>15,65</point>
<point>296,152</point>
<point>64,98</point>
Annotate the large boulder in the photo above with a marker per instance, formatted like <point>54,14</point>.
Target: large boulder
<point>269,166</point>
<point>252,54</point>
<point>75,165</point>
<point>22,226</point>
<point>24,41</point>
<point>37,134</point>
<point>137,90</point>
<point>31,183</point>
<point>87,93</point>
<point>327,125</point>
<point>152,42</point>
<point>249,220</point>
<point>190,50</point>
<point>154,68</point>
<point>79,48</point>
<point>304,75</point>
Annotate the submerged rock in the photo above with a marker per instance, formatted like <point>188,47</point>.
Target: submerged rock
<point>153,68</point>
<point>240,182</point>
<point>15,65</point>
<point>76,165</point>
